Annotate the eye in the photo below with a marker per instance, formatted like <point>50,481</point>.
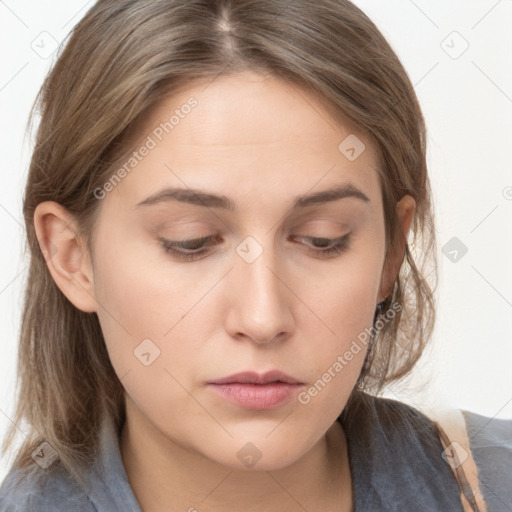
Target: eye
<point>325,247</point>
<point>192,248</point>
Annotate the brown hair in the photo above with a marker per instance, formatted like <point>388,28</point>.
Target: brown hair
<point>120,59</point>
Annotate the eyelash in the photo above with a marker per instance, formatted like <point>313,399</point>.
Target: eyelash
<point>338,245</point>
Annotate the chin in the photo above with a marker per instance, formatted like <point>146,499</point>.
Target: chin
<point>257,455</point>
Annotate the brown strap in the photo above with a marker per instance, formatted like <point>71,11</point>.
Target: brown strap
<point>451,426</point>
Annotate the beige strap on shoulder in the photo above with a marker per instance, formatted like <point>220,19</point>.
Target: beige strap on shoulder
<point>451,425</point>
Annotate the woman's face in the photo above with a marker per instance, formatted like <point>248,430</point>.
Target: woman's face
<point>263,292</point>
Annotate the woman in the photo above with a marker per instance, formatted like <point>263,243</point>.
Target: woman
<point>218,206</point>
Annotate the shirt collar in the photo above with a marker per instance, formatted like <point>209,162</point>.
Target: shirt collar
<point>394,455</point>
<point>109,489</point>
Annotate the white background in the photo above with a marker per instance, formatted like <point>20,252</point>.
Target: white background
<point>467,102</point>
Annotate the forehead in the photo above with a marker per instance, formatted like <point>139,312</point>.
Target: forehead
<point>268,107</point>
<point>249,133</point>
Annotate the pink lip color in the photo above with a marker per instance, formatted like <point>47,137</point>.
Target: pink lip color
<point>256,396</point>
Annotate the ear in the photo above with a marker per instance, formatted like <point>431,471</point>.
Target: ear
<point>66,254</point>
<point>405,212</point>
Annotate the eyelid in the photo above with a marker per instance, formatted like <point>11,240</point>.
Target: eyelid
<point>182,243</point>
<point>330,239</point>
<point>335,247</point>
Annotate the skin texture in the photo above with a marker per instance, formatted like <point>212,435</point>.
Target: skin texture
<point>260,142</point>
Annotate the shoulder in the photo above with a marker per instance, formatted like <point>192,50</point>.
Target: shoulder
<point>489,435</point>
<point>399,447</point>
<point>42,490</point>
<point>96,483</point>
<point>491,446</point>
<point>389,425</point>
<point>390,419</point>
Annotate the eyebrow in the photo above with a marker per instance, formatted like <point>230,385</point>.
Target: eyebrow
<point>202,198</point>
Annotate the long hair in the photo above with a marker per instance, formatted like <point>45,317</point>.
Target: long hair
<point>117,62</point>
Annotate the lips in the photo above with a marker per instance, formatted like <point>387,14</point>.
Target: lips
<point>257,378</point>
<point>251,390</point>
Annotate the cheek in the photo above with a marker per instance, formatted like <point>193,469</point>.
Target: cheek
<point>147,331</point>
<point>344,296</point>
<point>340,327</point>
<point>137,283</point>
<point>139,298</point>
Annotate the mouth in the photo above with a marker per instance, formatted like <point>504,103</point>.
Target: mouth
<point>251,390</point>
<point>269,377</point>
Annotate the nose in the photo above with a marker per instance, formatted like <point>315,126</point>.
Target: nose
<point>259,300</point>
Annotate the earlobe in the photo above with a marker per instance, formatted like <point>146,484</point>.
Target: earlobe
<point>405,212</point>
<point>66,254</point>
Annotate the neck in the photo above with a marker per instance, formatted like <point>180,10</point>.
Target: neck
<point>167,476</point>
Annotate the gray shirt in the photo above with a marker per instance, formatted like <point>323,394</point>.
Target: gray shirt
<point>394,454</point>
